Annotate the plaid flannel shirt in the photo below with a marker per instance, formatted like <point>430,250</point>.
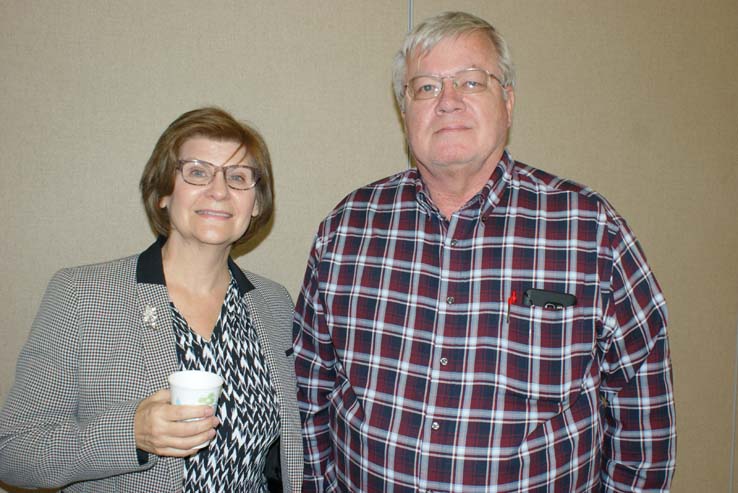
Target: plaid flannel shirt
<point>420,368</point>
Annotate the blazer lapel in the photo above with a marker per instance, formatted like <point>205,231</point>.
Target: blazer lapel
<point>155,323</point>
<point>262,319</point>
<point>270,319</point>
<point>159,353</point>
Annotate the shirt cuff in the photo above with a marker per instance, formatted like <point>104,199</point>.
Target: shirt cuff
<point>143,456</point>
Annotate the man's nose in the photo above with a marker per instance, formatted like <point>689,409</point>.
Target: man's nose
<point>449,99</point>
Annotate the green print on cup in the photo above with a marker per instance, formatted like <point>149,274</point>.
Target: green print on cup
<point>195,388</point>
<point>207,400</point>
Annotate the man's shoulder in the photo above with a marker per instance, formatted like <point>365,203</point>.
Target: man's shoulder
<point>531,177</point>
<point>377,190</point>
<point>380,193</point>
<point>539,181</point>
<point>381,196</point>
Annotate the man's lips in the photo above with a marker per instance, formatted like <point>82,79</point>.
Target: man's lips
<point>452,128</point>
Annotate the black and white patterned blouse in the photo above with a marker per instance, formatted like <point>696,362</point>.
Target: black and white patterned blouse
<point>247,409</point>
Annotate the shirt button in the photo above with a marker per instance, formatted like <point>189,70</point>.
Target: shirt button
<point>453,242</point>
<point>435,425</point>
<point>444,361</point>
<point>450,300</point>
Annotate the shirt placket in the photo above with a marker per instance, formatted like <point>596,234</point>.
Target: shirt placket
<point>438,429</point>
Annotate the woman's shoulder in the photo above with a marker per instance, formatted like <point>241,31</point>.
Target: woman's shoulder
<point>272,290</point>
<point>96,274</point>
<point>261,282</point>
<point>102,269</point>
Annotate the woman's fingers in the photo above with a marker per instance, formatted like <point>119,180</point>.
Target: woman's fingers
<point>163,429</point>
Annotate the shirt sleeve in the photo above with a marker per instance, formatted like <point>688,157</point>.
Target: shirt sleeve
<point>639,445</point>
<point>314,365</point>
<point>43,442</point>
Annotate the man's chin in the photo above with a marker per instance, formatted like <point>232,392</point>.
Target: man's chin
<point>453,159</point>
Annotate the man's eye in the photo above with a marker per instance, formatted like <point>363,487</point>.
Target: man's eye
<point>471,84</point>
<point>426,88</point>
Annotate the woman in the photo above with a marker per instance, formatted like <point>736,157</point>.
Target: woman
<point>89,409</point>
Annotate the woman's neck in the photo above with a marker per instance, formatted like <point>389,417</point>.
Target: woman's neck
<point>195,268</point>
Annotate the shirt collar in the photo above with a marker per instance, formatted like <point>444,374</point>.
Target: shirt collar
<point>150,270</point>
<point>488,197</point>
<point>495,187</point>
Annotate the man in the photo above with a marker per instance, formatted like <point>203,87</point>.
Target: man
<point>475,324</point>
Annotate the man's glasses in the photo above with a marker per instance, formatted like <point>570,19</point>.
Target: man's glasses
<point>201,173</point>
<point>467,81</point>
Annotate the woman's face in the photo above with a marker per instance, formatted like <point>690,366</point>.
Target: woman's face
<point>213,214</point>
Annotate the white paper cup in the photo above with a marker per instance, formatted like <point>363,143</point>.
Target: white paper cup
<point>195,388</point>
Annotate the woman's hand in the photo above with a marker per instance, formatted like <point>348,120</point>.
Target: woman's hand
<point>160,428</point>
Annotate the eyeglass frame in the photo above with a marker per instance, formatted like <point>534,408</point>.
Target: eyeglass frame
<point>454,80</point>
<point>181,163</point>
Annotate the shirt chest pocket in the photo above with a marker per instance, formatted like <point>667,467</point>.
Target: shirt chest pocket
<point>546,352</point>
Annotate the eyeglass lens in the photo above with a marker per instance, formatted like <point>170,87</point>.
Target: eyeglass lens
<point>202,173</point>
<point>465,82</point>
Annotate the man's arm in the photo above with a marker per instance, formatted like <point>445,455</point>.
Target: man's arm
<point>314,365</point>
<point>639,449</point>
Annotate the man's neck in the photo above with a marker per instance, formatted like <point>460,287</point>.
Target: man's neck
<point>451,187</point>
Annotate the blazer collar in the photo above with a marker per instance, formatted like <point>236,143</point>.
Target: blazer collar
<point>150,270</point>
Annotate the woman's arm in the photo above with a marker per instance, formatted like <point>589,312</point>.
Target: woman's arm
<point>43,443</point>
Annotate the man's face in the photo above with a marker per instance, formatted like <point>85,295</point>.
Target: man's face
<point>464,131</point>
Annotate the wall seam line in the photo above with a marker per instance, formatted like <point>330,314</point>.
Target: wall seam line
<point>735,416</point>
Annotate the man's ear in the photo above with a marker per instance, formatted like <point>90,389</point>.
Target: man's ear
<point>509,104</point>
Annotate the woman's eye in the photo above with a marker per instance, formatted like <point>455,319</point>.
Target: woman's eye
<point>198,172</point>
<point>238,178</point>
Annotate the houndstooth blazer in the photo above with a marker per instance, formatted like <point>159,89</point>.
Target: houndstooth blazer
<point>101,342</point>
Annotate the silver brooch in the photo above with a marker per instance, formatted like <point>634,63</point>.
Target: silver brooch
<point>149,316</point>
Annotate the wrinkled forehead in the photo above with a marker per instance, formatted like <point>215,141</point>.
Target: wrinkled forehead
<point>472,49</point>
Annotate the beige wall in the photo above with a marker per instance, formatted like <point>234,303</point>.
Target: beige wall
<point>637,99</point>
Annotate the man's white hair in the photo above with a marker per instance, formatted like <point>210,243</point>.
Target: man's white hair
<point>430,32</point>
